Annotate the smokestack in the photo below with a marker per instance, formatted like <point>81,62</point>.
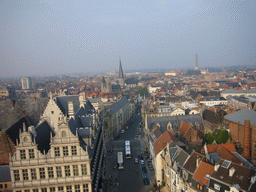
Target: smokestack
<point>247,139</point>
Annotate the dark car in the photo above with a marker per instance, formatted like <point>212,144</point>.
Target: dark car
<point>144,170</point>
<point>146,181</point>
<point>140,157</point>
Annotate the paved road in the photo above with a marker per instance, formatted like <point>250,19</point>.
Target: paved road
<point>126,180</point>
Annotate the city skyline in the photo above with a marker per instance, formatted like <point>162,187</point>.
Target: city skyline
<point>49,37</point>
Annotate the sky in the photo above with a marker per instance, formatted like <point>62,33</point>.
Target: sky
<point>48,37</point>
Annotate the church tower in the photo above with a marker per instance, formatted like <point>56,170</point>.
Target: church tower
<point>196,68</point>
<point>121,75</point>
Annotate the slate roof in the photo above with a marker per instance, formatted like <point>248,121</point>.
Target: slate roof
<point>181,157</point>
<point>175,121</point>
<point>14,131</point>
<point>155,134</point>
<point>118,105</point>
<point>241,116</point>
<point>201,172</point>
<point>190,164</point>
<point>242,175</point>
<point>239,91</point>
<point>43,136</point>
<point>212,117</point>
<point>5,175</point>
<point>163,140</point>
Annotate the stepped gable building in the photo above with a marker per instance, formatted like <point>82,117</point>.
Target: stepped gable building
<point>242,128</point>
<point>63,152</point>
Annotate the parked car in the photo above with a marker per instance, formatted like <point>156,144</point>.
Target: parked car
<point>122,131</point>
<point>140,156</point>
<point>144,170</point>
<point>146,181</point>
<point>150,166</point>
<point>136,160</point>
<point>142,162</point>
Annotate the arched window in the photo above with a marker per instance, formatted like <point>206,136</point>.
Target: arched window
<point>25,139</point>
<point>64,134</point>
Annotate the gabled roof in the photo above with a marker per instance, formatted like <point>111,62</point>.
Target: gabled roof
<point>184,127</point>
<point>163,140</point>
<point>190,164</point>
<point>215,148</point>
<point>202,171</point>
<point>241,176</point>
<point>212,117</point>
<point>155,134</point>
<point>241,116</point>
<point>5,175</point>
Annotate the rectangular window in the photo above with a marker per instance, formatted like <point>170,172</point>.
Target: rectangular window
<point>67,170</point>
<point>25,174</point>
<point>22,154</point>
<point>84,169</point>
<point>52,189</point>
<point>69,188</point>
<point>44,190</point>
<point>31,154</point>
<point>77,188</point>
<point>42,173</point>
<point>16,175</point>
<point>65,151</point>
<point>58,171</point>
<point>85,188</point>
<point>27,190</point>
<point>60,189</point>
<point>33,174</point>
<point>1,186</point>
<point>57,151</point>
<point>74,151</point>
<point>50,172</point>
<point>75,170</point>
<point>35,190</point>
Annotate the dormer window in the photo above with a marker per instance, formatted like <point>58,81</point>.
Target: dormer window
<point>25,139</point>
<point>63,134</point>
<point>52,112</point>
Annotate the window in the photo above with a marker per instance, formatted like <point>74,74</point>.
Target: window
<point>1,186</point>
<point>85,188</point>
<point>42,173</point>
<point>63,134</point>
<point>67,170</point>
<point>35,190</point>
<point>217,187</point>
<point>69,188</point>
<point>16,175</point>
<point>75,170</point>
<point>52,189</point>
<point>31,153</point>
<point>57,151</point>
<point>27,190</point>
<point>60,189</point>
<point>84,169</point>
<point>58,171</point>
<point>73,149</point>
<point>77,188</point>
<point>52,112</point>
<point>65,151</point>
<point>50,172</point>
<point>33,174</point>
<point>25,174</point>
<point>25,139</point>
<point>185,175</point>
<point>22,154</point>
<point>44,190</point>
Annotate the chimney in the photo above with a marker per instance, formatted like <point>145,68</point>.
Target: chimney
<point>247,140</point>
<point>197,161</point>
<point>231,171</point>
<point>216,167</point>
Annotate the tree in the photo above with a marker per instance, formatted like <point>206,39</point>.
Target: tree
<point>223,136</point>
<point>142,90</point>
<point>209,138</point>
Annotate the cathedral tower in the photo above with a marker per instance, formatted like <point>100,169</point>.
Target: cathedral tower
<point>196,68</point>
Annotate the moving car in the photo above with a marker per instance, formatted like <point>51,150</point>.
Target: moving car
<point>146,181</point>
<point>122,131</point>
<point>136,160</point>
<point>142,162</point>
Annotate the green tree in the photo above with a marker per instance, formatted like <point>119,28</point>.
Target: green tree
<point>223,136</point>
<point>142,90</point>
<point>209,138</point>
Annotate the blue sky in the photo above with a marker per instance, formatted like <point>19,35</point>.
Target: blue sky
<point>62,37</point>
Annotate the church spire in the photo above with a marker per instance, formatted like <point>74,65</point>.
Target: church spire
<point>121,75</point>
<point>196,68</point>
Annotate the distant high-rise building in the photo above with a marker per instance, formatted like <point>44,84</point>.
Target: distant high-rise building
<point>26,83</point>
<point>196,68</point>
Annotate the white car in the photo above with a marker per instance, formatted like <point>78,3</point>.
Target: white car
<point>122,131</point>
<point>142,162</point>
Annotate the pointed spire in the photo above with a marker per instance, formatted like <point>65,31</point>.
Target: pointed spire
<point>103,80</point>
<point>121,75</point>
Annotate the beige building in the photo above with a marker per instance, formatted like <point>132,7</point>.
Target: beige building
<point>63,152</point>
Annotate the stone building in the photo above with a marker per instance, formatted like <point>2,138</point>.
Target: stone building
<point>63,152</point>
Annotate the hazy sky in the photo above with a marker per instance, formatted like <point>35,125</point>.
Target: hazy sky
<point>71,36</point>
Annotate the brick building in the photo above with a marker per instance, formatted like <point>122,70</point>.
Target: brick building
<point>242,127</point>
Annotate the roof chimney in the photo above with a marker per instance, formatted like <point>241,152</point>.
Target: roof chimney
<point>71,111</point>
<point>216,167</point>
<point>247,139</point>
<point>231,171</point>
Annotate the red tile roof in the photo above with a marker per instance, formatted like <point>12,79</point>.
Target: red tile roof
<point>162,141</point>
<point>204,169</point>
